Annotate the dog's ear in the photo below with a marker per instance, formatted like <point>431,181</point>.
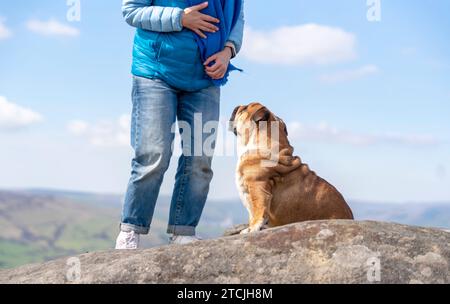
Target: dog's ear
<point>233,116</point>
<point>261,115</point>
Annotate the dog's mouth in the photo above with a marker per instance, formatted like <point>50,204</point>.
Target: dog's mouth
<point>232,127</point>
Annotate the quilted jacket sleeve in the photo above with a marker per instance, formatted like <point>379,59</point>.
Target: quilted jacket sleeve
<point>237,32</point>
<point>142,14</point>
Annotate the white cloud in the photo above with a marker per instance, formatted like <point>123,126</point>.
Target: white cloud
<point>104,133</point>
<point>5,32</point>
<point>13,116</point>
<point>78,127</point>
<point>309,44</point>
<point>52,28</point>
<point>323,132</point>
<point>349,75</point>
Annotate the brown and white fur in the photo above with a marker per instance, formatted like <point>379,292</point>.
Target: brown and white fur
<point>276,187</point>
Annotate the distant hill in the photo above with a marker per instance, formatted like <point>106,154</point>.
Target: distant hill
<point>40,225</point>
<point>427,214</point>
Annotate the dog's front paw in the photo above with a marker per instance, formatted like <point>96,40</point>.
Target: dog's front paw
<point>256,227</point>
<point>253,229</point>
<point>245,231</point>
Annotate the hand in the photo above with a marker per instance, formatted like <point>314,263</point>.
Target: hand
<point>198,22</point>
<point>220,67</point>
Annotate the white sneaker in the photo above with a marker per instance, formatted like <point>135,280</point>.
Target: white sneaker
<point>127,240</point>
<point>183,240</point>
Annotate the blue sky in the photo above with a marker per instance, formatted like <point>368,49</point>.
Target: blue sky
<point>368,102</point>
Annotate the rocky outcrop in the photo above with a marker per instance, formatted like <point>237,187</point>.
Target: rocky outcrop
<point>309,252</point>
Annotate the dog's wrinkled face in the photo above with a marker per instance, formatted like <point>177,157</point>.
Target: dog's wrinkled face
<point>247,115</point>
<point>252,115</point>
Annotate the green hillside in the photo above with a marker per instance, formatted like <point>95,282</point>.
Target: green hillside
<point>36,226</point>
<point>40,225</point>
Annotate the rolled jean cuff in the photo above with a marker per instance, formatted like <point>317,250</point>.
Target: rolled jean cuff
<point>137,229</point>
<point>181,230</point>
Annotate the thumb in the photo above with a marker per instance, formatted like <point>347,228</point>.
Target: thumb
<point>200,6</point>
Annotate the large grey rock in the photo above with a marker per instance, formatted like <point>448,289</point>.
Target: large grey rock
<point>310,252</point>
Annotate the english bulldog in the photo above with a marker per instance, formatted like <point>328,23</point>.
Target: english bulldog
<point>275,186</point>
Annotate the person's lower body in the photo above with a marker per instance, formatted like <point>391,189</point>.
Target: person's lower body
<point>156,108</point>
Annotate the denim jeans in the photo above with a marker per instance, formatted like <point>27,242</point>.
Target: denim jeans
<point>156,108</point>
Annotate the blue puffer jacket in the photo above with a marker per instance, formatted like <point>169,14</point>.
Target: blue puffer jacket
<point>163,48</point>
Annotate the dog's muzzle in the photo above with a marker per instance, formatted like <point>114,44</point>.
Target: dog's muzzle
<point>232,122</point>
<point>232,127</point>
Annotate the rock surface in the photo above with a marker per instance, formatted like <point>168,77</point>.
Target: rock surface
<point>309,252</point>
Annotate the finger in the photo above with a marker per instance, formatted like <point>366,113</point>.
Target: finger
<point>209,18</point>
<point>200,6</point>
<point>200,33</point>
<point>214,68</point>
<point>206,29</point>
<point>216,75</point>
<point>210,59</point>
<point>213,76</point>
<point>210,26</point>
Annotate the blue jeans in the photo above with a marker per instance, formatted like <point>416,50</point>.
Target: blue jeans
<point>156,108</point>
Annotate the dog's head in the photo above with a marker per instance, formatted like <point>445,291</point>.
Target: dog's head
<point>251,118</point>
